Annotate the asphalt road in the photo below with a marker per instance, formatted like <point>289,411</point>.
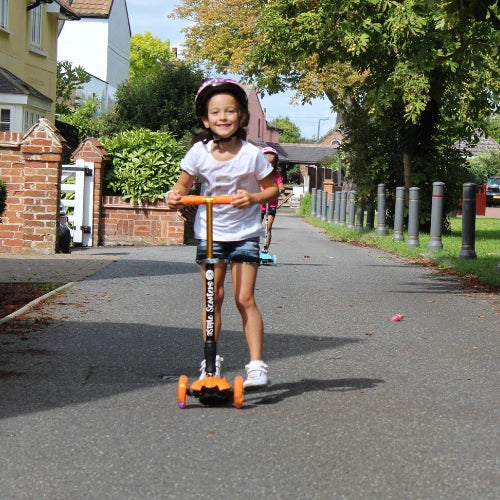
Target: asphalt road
<point>360,406</point>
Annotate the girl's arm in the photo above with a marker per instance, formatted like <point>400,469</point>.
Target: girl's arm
<point>269,192</point>
<point>180,188</point>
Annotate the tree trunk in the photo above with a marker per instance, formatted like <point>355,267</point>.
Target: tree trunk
<point>407,168</point>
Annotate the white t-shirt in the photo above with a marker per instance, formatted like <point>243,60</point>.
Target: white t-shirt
<point>244,171</point>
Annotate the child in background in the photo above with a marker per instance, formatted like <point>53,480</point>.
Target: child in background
<point>272,158</point>
<point>226,164</point>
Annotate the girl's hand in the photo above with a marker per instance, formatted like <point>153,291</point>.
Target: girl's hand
<point>173,199</point>
<point>243,199</point>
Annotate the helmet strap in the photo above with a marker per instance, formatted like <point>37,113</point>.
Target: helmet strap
<point>218,139</point>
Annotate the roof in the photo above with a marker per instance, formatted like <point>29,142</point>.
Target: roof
<point>66,11</point>
<point>11,84</point>
<point>484,144</point>
<point>91,8</point>
<point>304,154</point>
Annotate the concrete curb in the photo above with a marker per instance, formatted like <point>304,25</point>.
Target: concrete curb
<point>34,302</point>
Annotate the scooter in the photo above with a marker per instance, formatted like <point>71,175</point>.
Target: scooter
<point>211,390</point>
<point>265,257</point>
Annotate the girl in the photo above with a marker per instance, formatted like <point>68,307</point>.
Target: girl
<point>272,158</point>
<point>226,163</point>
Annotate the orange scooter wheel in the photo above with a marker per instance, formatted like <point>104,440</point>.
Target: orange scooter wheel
<point>182,387</point>
<point>238,392</point>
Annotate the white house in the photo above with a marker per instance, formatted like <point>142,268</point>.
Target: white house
<point>100,43</point>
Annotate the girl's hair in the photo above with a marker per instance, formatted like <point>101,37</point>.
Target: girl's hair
<point>219,86</point>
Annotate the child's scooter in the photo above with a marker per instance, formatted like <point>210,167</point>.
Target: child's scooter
<point>211,389</point>
<point>265,257</point>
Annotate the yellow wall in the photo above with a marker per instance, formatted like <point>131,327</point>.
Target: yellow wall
<point>39,70</point>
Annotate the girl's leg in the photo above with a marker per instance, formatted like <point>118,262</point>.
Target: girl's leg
<point>244,276</point>
<point>270,221</point>
<point>219,277</point>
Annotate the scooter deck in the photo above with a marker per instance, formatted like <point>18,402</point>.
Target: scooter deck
<point>210,391</point>
<point>267,258</point>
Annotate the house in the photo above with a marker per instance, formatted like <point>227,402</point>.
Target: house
<point>258,129</point>
<point>100,44</point>
<point>28,60</point>
<point>332,138</point>
<point>483,145</point>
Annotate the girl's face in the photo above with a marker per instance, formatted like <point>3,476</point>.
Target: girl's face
<point>271,159</point>
<point>223,116</point>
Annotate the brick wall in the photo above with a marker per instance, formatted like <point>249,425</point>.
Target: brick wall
<point>147,224</point>
<point>30,167</point>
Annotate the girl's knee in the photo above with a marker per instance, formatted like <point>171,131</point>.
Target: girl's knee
<point>244,302</point>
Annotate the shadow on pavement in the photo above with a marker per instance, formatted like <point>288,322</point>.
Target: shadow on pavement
<point>67,363</point>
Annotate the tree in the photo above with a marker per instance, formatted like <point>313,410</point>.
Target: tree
<point>289,132</point>
<point>85,119</point>
<point>163,101</point>
<point>147,55</point>
<point>405,74</point>
<point>69,79</point>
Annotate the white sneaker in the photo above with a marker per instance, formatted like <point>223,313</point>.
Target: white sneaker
<point>218,367</point>
<point>257,375</point>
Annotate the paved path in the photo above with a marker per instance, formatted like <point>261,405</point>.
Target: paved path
<point>360,407</point>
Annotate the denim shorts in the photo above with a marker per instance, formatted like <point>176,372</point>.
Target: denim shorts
<point>231,251</point>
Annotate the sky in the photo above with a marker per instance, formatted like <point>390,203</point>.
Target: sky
<point>152,16</point>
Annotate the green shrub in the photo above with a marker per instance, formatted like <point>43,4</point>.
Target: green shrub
<point>3,197</point>
<point>305,205</point>
<point>486,164</point>
<point>145,164</point>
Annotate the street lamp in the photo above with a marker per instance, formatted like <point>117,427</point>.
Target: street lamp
<point>319,123</point>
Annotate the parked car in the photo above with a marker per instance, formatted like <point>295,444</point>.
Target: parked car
<point>493,191</point>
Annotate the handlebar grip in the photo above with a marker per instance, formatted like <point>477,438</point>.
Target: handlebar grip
<point>201,200</point>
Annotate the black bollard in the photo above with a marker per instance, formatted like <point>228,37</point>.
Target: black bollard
<point>413,218</point>
<point>468,222</point>
<point>343,204</point>
<point>319,195</point>
<point>360,214</point>
<point>381,229</point>
<point>436,242</point>
<point>324,198</point>
<point>399,211</point>
<point>331,205</point>
<point>370,218</point>
<point>336,217</point>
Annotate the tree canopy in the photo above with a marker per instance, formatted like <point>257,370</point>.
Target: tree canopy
<point>159,92</point>
<point>289,131</point>
<point>410,77</point>
<point>148,54</point>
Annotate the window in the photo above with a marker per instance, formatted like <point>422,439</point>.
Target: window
<point>4,14</point>
<point>4,120</point>
<point>36,26</point>
<point>30,118</point>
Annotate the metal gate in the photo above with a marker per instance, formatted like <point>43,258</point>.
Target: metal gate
<point>78,182</point>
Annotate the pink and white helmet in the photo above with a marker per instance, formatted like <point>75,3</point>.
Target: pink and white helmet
<point>268,150</point>
<point>217,86</point>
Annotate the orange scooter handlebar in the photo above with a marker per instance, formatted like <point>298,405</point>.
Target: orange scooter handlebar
<point>202,200</point>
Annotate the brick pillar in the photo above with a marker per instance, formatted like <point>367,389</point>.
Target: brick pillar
<point>12,174</point>
<point>91,150</point>
<point>41,148</point>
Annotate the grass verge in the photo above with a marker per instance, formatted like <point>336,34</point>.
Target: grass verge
<point>487,248</point>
